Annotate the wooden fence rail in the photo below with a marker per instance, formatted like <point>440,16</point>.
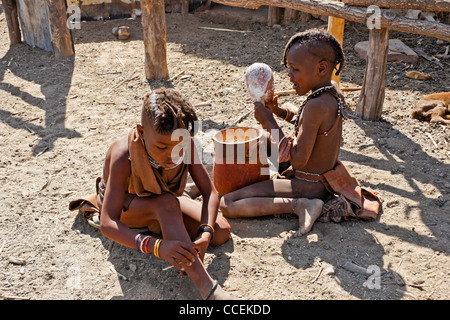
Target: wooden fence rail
<point>388,19</point>
<point>424,5</point>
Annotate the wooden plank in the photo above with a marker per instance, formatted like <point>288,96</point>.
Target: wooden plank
<point>425,5</point>
<point>341,10</point>
<point>34,22</point>
<point>371,100</point>
<point>12,20</point>
<point>154,29</point>
<point>61,36</point>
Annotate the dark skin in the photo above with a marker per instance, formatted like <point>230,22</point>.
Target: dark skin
<point>310,152</point>
<point>179,217</point>
<point>308,72</point>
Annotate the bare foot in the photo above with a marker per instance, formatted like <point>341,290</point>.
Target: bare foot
<point>217,293</point>
<point>308,211</point>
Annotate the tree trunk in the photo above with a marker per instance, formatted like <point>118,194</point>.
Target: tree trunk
<point>371,99</point>
<point>154,28</point>
<point>12,19</point>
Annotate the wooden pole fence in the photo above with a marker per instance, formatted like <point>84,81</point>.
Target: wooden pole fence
<point>425,5</point>
<point>388,19</point>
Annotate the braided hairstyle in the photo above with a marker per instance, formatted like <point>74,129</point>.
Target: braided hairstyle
<point>314,40</point>
<point>168,110</point>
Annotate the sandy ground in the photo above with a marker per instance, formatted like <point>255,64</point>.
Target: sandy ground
<point>58,117</point>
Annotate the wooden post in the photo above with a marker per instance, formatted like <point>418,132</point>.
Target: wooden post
<point>290,15</point>
<point>12,19</point>
<point>274,15</point>
<point>371,100</point>
<point>185,7</point>
<point>336,28</point>
<point>154,28</point>
<point>61,35</point>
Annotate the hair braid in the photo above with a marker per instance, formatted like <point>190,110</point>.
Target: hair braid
<point>168,110</point>
<point>312,39</point>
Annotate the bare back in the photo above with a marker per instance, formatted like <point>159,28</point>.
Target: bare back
<point>328,137</point>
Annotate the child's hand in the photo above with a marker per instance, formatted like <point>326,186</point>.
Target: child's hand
<point>178,253</point>
<point>264,115</point>
<point>273,105</point>
<point>202,243</point>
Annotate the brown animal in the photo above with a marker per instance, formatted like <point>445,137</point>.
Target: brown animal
<point>434,108</point>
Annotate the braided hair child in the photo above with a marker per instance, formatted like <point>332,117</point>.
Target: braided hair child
<point>311,58</point>
<point>142,186</point>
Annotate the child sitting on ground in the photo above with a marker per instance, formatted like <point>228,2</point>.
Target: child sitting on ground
<point>308,161</point>
<point>142,185</point>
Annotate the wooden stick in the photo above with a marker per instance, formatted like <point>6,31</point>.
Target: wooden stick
<point>350,266</point>
<point>120,60</point>
<point>226,30</point>
<point>176,76</point>
<point>13,297</point>
<point>284,93</point>
<point>202,104</point>
<point>288,92</point>
<point>118,274</point>
<point>431,138</point>
<point>318,274</point>
<point>133,76</point>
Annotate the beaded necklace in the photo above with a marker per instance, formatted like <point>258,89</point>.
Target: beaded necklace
<point>155,164</point>
<point>341,103</point>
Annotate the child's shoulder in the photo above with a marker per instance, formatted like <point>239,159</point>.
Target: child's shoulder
<point>321,106</point>
<point>118,150</point>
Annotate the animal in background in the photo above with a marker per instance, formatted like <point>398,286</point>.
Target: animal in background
<point>433,108</point>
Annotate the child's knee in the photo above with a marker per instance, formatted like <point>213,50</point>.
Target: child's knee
<point>223,207</point>
<point>222,231</point>
<point>167,203</point>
